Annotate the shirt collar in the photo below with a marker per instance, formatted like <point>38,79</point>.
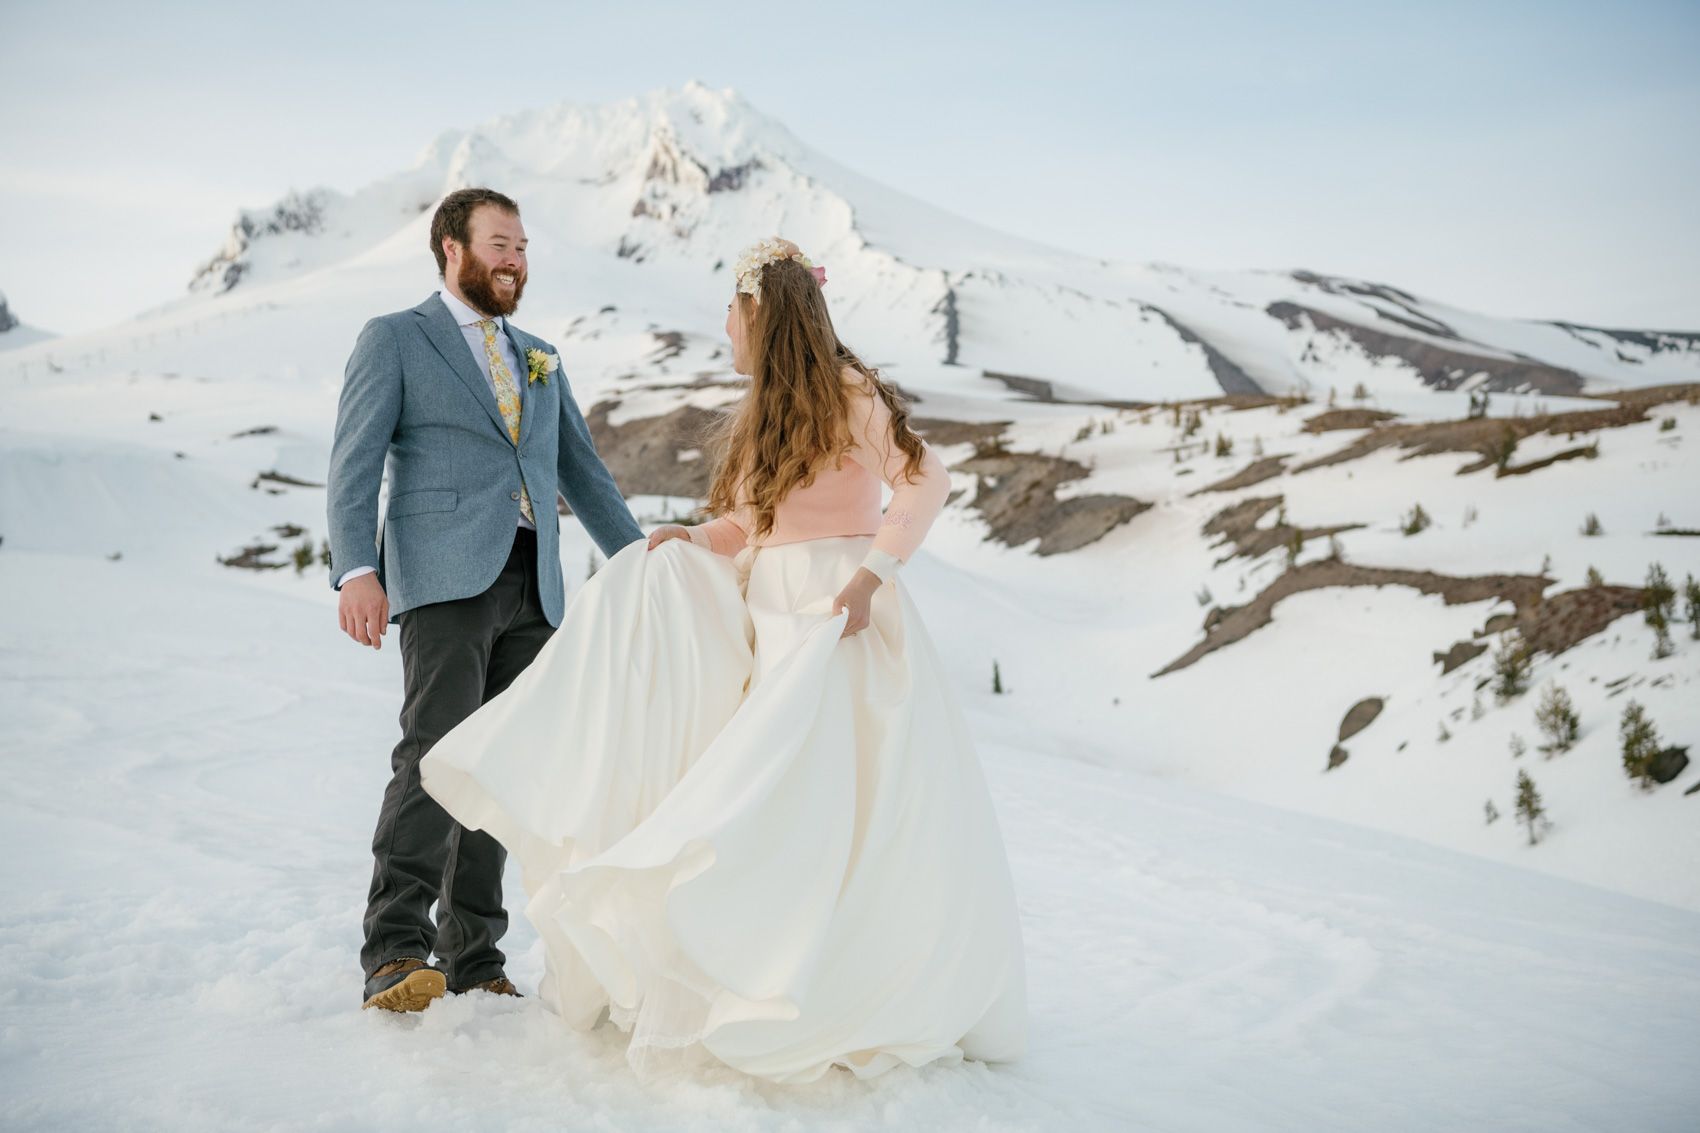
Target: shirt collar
<point>464,315</point>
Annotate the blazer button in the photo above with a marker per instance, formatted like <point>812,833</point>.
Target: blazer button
<point>513,495</point>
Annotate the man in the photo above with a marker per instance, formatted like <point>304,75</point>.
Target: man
<point>480,433</point>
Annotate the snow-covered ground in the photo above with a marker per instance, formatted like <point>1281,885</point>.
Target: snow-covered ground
<point>193,763</point>
<point>1221,934</point>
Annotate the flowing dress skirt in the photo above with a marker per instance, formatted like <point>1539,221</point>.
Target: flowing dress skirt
<point>744,838</point>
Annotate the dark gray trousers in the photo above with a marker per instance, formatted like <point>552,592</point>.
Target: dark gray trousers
<point>455,656</point>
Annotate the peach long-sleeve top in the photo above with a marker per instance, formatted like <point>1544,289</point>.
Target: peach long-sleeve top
<point>846,500</point>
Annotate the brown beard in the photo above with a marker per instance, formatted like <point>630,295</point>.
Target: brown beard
<point>475,283</point>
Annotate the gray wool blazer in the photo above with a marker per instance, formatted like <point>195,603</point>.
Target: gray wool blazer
<point>414,400</point>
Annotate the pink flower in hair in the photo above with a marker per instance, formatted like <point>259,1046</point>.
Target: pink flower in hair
<point>819,273</point>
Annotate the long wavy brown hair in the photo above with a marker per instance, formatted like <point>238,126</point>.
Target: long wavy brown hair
<point>795,417</point>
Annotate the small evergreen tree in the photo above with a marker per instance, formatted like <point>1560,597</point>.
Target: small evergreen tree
<point>1492,812</point>
<point>1530,812</point>
<point>1658,594</point>
<point>1662,646</point>
<point>1511,662</point>
<point>1595,578</point>
<point>1224,446</point>
<point>1295,544</point>
<point>1359,393</point>
<point>1640,743</point>
<point>1517,746</point>
<point>304,556</point>
<point>1557,719</point>
<point>1591,525</point>
<point>997,678</point>
<point>1504,448</point>
<point>1415,520</point>
<point>1691,604</point>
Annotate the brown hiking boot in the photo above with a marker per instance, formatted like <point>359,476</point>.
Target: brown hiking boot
<point>407,984</point>
<point>497,985</point>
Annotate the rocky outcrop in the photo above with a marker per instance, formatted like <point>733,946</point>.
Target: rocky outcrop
<point>1256,472</point>
<point>1440,367</point>
<point>1224,626</point>
<point>1360,716</point>
<point>1016,496</point>
<point>646,456</point>
<point>1486,436</point>
<point>296,212</point>
<point>1237,524</point>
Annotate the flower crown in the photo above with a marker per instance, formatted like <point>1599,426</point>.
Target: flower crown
<point>758,255</point>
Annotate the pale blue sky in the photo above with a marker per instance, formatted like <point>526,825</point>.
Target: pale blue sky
<point>1534,159</point>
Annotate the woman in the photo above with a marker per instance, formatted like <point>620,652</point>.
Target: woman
<point>747,808</point>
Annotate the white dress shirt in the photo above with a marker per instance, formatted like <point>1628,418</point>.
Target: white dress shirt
<point>468,320</point>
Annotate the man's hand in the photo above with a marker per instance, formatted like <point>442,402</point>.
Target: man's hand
<point>667,531</point>
<point>857,597</point>
<point>364,610</point>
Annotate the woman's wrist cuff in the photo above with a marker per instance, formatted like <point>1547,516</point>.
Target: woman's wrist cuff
<point>882,564</point>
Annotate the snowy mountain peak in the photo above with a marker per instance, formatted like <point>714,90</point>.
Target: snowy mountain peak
<point>648,199</point>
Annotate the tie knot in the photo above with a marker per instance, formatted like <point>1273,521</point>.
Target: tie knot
<point>488,326</point>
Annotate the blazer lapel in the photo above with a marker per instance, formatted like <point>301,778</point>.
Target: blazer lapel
<point>445,336</point>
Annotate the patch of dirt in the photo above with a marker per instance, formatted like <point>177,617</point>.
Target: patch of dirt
<point>1225,625</point>
<point>1016,496</point>
<point>1486,435</point>
<point>1360,716</point>
<point>1356,418</point>
<point>1589,451</point>
<point>938,431</point>
<point>253,558</point>
<point>1547,623</point>
<point>1461,653</point>
<point>669,344</point>
<point>1561,620</point>
<point>1237,524</point>
<point>275,477</point>
<point>643,454</point>
<point>1256,472</point>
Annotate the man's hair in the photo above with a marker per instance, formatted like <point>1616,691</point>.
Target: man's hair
<point>454,218</point>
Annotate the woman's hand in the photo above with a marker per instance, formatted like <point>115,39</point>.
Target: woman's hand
<point>857,597</point>
<point>665,532</point>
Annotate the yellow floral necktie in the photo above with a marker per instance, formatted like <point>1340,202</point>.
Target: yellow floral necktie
<point>507,400</point>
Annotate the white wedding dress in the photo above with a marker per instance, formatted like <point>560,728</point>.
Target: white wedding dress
<point>747,839</point>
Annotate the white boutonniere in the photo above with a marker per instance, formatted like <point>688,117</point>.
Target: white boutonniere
<point>539,365</point>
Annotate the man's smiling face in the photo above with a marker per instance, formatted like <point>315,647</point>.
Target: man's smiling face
<point>490,269</point>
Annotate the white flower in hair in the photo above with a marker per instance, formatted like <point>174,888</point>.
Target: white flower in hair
<point>762,253</point>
